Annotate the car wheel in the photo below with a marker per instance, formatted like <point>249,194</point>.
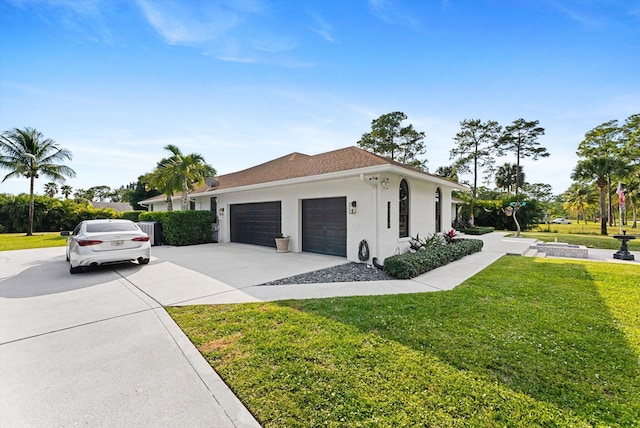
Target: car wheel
<point>76,269</point>
<point>143,261</point>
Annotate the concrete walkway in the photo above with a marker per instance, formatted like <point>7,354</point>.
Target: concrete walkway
<point>98,349</point>
<point>240,287</point>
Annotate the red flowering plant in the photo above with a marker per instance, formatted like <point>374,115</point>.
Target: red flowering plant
<point>448,236</point>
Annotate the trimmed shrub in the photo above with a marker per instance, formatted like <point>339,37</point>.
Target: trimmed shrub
<point>183,227</point>
<point>131,215</point>
<point>410,265</point>
<point>477,230</point>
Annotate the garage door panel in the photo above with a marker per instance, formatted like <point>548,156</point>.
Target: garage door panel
<point>256,223</point>
<point>324,226</point>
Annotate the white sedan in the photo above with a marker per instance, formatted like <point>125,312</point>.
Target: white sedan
<point>561,220</point>
<point>106,241</point>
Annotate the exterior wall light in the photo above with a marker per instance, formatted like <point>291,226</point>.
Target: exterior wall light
<point>221,212</point>
<point>353,207</point>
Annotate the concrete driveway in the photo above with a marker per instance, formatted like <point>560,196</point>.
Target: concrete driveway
<point>94,350</point>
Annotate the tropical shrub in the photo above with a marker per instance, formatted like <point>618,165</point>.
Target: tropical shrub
<point>410,265</point>
<point>430,242</point>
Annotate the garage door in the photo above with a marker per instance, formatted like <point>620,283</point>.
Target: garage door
<point>256,224</point>
<point>324,226</point>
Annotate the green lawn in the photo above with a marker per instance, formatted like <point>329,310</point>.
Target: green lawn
<point>590,228</point>
<point>590,241</point>
<point>526,342</point>
<point>19,241</point>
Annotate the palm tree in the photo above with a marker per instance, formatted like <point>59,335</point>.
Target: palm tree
<point>50,189</point>
<point>577,198</point>
<point>179,173</point>
<point>28,154</point>
<point>450,172</point>
<point>598,169</point>
<point>66,190</point>
<point>507,177</point>
<point>159,180</point>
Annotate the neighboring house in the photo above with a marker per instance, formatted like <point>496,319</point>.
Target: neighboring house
<point>117,206</point>
<point>328,203</point>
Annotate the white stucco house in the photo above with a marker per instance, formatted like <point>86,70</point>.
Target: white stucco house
<point>327,203</point>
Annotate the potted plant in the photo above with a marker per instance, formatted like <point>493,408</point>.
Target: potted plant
<point>282,243</point>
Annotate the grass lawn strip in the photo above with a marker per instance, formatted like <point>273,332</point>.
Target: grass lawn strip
<point>527,342</point>
<point>20,241</point>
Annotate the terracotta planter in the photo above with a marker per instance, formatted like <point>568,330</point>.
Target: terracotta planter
<point>282,245</point>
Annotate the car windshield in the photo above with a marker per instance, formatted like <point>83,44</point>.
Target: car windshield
<point>111,227</point>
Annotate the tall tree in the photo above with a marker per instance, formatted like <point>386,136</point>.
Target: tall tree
<point>473,149</point>
<point>598,169</point>
<point>390,139</point>
<point>26,153</point>
<point>577,198</point>
<point>631,152</point>
<point>605,140</point>
<point>51,189</point>
<point>180,172</point>
<point>159,181</point>
<point>450,172</point>
<point>507,176</point>
<point>101,192</point>
<point>141,190</point>
<point>542,193</point>
<point>66,190</point>
<point>88,195</point>
<point>521,138</point>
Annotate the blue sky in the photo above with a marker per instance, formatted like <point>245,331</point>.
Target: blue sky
<point>245,81</point>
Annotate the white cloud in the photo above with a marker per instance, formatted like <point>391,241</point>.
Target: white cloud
<point>391,13</point>
<point>322,28</point>
<point>89,18</point>
<point>183,23</point>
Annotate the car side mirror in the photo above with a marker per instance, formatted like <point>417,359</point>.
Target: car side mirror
<point>65,233</point>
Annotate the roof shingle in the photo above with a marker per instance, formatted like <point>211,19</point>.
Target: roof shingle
<point>298,165</point>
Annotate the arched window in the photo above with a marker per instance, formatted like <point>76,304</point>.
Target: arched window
<point>438,210</point>
<point>403,209</point>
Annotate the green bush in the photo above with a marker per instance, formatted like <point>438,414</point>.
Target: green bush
<point>131,215</point>
<point>183,227</point>
<point>410,265</point>
<point>477,230</point>
<point>50,214</point>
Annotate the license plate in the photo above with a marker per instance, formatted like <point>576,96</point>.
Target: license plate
<point>117,243</point>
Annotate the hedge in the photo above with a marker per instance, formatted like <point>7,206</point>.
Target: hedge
<point>481,230</point>
<point>132,215</point>
<point>410,265</point>
<point>183,227</point>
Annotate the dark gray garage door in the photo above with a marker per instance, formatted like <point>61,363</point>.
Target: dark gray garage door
<point>324,226</point>
<point>256,224</point>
